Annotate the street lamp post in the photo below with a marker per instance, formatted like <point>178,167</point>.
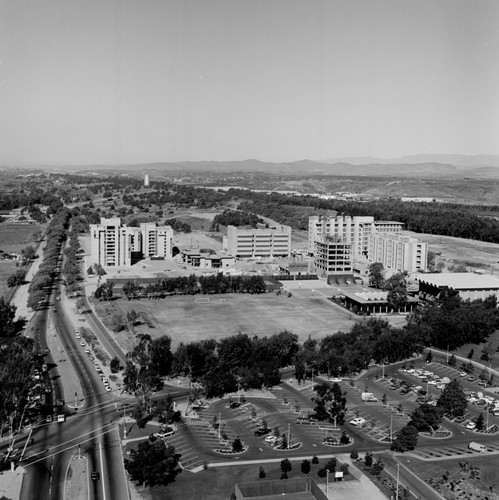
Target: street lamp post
<point>447,357</point>
<point>327,482</point>
<point>219,425</point>
<point>391,426</point>
<point>289,435</point>
<point>397,492</point>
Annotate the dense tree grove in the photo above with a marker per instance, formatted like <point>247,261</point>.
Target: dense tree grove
<point>433,218</point>
<point>178,226</point>
<point>237,218</point>
<point>237,361</point>
<point>453,401</point>
<point>153,463</point>
<point>43,279</point>
<point>190,285</point>
<point>16,366</point>
<point>330,403</point>
<point>451,322</point>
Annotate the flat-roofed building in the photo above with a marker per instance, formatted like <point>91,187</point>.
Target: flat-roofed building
<point>354,230</point>
<point>332,255</point>
<point>114,245</point>
<point>469,285</point>
<point>207,260</point>
<point>397,252</point>
<point>269,242</point>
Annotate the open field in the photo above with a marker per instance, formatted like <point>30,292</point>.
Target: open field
<point>7,268</point>
<point>453,251</point>
<point>14,237</point>
<point>187,318</point>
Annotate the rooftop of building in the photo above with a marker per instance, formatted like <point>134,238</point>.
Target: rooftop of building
<point>459,281</point>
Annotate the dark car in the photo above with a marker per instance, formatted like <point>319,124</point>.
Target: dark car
<point>261,432</point>
<point>234,404</point>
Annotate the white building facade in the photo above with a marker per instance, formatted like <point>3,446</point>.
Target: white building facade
<point>397,252</point>
<point>271,242</point>
<point>352,230</point>
<point>115,245</point>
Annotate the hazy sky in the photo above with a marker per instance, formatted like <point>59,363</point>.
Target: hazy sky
<point>126,81</point>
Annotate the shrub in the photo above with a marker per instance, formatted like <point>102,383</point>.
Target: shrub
<point>305,467</point>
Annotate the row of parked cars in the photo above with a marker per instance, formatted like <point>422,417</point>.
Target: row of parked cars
<point>427,377</point>
<point>490,403</point>
<point>105,381</point>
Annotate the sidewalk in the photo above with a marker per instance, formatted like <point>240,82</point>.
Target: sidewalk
<point>20,296</point>
<point>77,482</point>
<point>11,483</point>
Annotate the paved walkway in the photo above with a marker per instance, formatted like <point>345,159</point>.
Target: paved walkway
<point>77,482</point>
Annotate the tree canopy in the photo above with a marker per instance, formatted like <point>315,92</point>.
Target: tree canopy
<point>153,463</point>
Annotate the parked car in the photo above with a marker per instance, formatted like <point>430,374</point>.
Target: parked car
<point>471,426</point>
<point>262,432</point>
<point>358,421</point>
<point>480,448</point>
<point>270,439</point>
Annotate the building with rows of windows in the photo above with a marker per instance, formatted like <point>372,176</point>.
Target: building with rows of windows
<point>398,253</point>
<point>268,242</point>
<point>336,241</point>
<point>116,245</point>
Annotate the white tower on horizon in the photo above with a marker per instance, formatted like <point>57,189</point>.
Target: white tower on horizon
<point>146,180</point>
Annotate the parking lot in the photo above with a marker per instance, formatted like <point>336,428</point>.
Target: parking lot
<point>288,406</point>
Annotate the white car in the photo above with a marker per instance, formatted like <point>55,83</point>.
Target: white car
<point>471,426</point>
<point>358,421</point>
<point>463,374</point>
<point>270,439</point>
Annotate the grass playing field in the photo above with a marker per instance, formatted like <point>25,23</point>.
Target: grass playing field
<point>188,318</point>
<point>13,238</point>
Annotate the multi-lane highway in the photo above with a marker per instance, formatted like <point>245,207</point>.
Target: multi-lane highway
<point>90,430</point>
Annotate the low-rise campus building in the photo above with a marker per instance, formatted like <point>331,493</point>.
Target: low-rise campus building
<point>469,285</point>
<point>267,242</point>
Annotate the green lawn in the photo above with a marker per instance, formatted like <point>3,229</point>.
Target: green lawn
<point>7,268</point>
<point>14,237</point>
<point>185,319</point>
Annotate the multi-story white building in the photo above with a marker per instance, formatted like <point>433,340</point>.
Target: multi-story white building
<point>332,255</point>
<point>353,230</point>
<point>397,252</point>
<point>271,242</point>
<point>114,244</point>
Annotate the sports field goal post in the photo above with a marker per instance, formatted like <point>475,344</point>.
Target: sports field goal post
<point>202,300</point>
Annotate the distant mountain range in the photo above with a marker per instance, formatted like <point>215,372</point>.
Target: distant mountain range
<point>464,161</point>
<point>480,166</point>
